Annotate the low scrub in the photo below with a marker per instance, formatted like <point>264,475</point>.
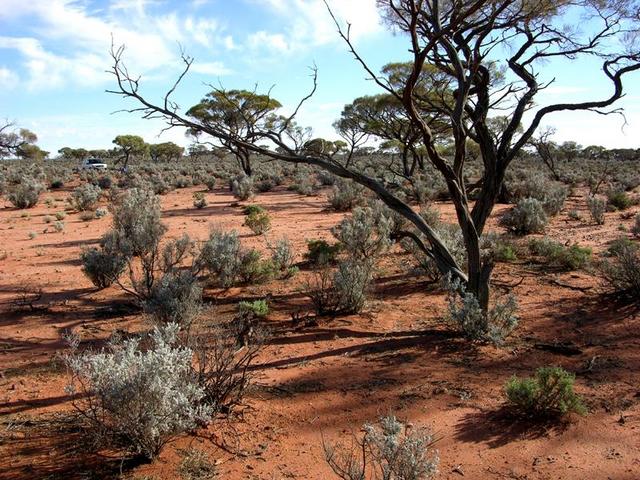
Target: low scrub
<point>620,269</point>
<point>547,394</point>
<point>26,193</point>
<point>465,314</point>
<point>528,216</point>
<point>258,222</point>
<point>320,252</point>
<point>175,298</point>
<point>597,208</point>
<point>555,254</point>
<point>85,197</point>
<point>388,450</point>
<point>136,398</point>
<point>365,234</point>
<point>345,195</point>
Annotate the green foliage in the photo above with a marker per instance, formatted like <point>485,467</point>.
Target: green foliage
<point>258,222</point>
<point>259,308</point>
<point>556,254</point>
<point>619,199</point>
<point>254,269</point>
<point>199,200</point>
<point>175,298</point>
<point>320,252</point>
<point>102,266</point>
<point>166,151</point>
<point>345,195</point>
<point>85,197</point>
<point>548,394</point>
<point>365,234</point>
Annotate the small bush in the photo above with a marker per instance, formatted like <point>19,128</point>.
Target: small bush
<point>345,195</point>
<point>344,291</point>
<point>58,226</point>
<point>138,398</point>
<point>61,215</point>
<point>56,184</point>
<point>554,253</point>
<point>253,210</point>
<point>621,270</point>
<point>101,212</point>
<point>320,252</point>
<point>258,222</point>
<point>619,199</point>
<point>548,394</point>
<point>282,254</point>
<point>102,267</point>
<point>105,182</point>
<point>365,234</point>
<point>389,449</point>
<point>254,269</point>
<point>175,298</point>
<point>199,200</point>
<point>26,193</point>
<point>86,216</point>
<point>85,197</point>
<point>196,465</point>
<point>258,308</point>
<point>597,207</point>
<point>635,229</point>
<point>220,257</point>
<point>211,183</point>
<point>466,315</point>
<point>528,216</point>
<point>242,187</point>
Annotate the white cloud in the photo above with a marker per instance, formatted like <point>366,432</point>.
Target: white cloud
<point>8,79</point>
<point>309,24</point>
<point>210,68</point>
<point>85,38</point>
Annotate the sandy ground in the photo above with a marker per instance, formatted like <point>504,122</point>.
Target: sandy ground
<point>325,381</point>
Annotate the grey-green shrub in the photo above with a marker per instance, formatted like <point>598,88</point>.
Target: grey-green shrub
<point>282,254</point>
<point>365,234</point>
<point>242,187</point>
<point>175,298</point>
<point>389,450</point>
<point>465,314</point>
<point>345,195</point>
<point>220,256</point>
<point>635,229</point>
<point>139,397</point>
<point>85,197</point>
<point>258,222</point>
<point>26,193</point>
<point>548,394</point>
<point>621,268</point>
<point>103,266</point>
<point>556,254</point>
<point>597,207</point>
<point>258,308</point>
<point>528,216</point>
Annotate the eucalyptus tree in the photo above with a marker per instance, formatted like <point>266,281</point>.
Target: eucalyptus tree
<point>166,151</point>
<point>129,146</point>
<point>17,142</point>
<point>242,113</point>
<point>495,57</point>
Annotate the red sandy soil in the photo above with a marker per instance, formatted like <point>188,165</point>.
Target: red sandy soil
<point>327,380</point>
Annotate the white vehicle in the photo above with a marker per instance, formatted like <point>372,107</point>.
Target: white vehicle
<point>93,164</point>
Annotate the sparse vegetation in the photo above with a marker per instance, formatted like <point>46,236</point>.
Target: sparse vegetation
<point>548,394</point>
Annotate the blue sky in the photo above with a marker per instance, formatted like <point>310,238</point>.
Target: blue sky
<point>54,54</point>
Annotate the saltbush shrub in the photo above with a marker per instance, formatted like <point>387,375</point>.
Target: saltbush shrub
<point>175,298</point>
<point>621,269</point>
<point>139,398</point>
<point>199,200</point>
<point>258,222</point>
<point>365,234</point>
<point>320,252</point>
<point>258,308</point>
<point>343,291</point>
<point>528,216</point>
<point>619,199</point>
<point>465,314</point>
<point>103,266</point>
<point>597,207</point>
<point>85,197</point>
<point>242,187</point>
<point>254,269</point>
<point>282,254</point>
<point>548,394</point>
<point>220,257</point>
<point>389,450</point>
<point>26,193</point>
<point>345,195</point>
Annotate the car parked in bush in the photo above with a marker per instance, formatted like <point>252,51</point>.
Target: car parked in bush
<point>93,164</point>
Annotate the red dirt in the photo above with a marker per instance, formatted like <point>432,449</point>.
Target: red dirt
<point>327,380</point>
